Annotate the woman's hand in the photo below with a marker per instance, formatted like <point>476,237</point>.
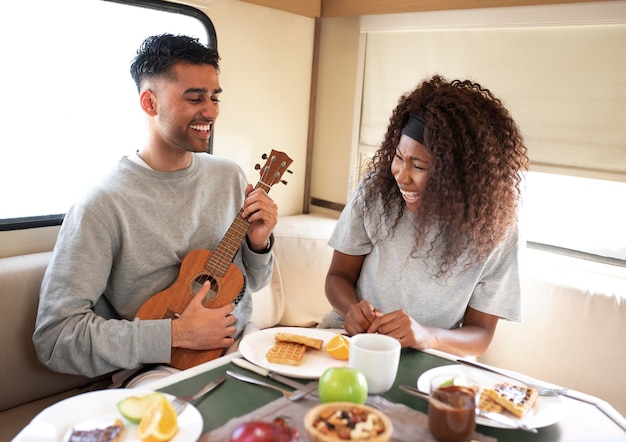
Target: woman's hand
<point>472,339</point>
<point>360,317</point>
<point>401,326</point>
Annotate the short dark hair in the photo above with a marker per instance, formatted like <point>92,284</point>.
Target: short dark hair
<point>158,53</point>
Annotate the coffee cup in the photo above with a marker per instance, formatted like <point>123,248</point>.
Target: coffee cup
<point>451,409</point>
<point>377,357</point>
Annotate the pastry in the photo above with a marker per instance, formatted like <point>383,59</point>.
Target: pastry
<point>514,398</point>
<point>290,353</point>
<point>485,403</point>
<point>290,337</point>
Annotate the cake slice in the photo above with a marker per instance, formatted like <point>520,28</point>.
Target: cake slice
<point>514,398</point>
<point>112,433</point>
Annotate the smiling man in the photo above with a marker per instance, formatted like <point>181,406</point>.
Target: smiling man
<point>125,240</point>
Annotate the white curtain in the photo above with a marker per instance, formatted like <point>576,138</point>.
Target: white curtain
<point>564,85</point>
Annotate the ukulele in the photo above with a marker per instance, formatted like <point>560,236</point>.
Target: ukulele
<point>200,266</point>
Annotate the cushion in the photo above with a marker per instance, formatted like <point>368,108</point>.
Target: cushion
<point>304,256</point>
<point>24,378</point>
<point>268,304</point>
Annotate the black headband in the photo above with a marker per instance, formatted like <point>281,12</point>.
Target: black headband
<point>415,128</point>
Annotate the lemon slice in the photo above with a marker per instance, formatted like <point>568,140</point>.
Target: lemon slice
<point>338,347</point>
<point>160,423</point>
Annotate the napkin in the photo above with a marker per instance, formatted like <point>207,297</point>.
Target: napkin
<point>408,425</point>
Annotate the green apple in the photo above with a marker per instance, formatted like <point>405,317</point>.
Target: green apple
<point>134,407</point>
<point>342,384</point>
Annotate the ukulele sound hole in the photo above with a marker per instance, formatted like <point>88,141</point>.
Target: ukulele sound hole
<point>199,282</point>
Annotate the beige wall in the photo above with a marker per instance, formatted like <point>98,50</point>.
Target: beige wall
<point>337,116</point>
<point>266,70</point>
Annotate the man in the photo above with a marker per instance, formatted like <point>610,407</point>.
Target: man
<point>124,241</point>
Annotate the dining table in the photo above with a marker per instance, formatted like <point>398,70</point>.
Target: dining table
<point>235,402</point>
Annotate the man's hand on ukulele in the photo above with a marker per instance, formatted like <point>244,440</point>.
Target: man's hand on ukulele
<point>262,213</point>
<point>201,328</point>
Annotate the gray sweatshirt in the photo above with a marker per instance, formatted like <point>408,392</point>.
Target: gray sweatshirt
<point>122,243</point>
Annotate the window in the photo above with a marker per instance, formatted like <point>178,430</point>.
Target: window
<point>560,71</point>
<point>69,105</point>
<point>571,213</point>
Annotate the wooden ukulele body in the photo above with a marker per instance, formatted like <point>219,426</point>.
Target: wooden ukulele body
<point>171,302</point>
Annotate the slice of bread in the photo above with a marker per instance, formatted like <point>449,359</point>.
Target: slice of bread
<point>290,353</point>
<point>514,398</point>
<point>299,339</point>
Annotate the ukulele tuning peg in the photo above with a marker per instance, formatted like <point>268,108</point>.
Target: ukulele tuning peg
<point>289,171</point>
<point>264,156</point>
<point>284,182</point>
<point>257,167</point>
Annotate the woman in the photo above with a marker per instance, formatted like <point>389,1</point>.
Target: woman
<point>426,251</point>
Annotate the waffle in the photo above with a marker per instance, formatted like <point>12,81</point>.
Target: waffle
<point>112,433</point>
<point>514,398</point>
<point>290,353</point>
<point>290,337</point>
<point>485,403</point>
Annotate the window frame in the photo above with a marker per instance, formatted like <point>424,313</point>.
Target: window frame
<point>51,220</point>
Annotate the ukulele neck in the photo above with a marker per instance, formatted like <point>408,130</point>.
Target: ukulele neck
<point>223,256</point>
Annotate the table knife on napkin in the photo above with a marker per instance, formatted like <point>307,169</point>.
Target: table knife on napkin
<point>243,363</point>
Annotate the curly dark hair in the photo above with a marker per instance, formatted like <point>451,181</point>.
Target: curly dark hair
<point>158,53</point>
<point>472,191</point>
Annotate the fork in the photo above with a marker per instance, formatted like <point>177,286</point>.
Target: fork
<point>180,403</point>
<point>291,395</point>
<point>542,389</point>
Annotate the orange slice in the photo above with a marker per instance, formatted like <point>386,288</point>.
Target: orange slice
<point>160,422</point>
<point>338,347</point>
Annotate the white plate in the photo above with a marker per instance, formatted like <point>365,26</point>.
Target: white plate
<point>98,409</point>
<point>254,346</point>
<point>547,409</point>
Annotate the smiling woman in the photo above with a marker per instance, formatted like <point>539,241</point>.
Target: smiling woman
<point>71,111</point>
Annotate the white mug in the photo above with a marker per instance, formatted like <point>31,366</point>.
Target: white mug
<point>377,357</point>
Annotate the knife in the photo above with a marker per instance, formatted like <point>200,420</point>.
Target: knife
<point>243,363</point>
<point>486,414</point>
<point>528,380</point>
<point>505,420</point>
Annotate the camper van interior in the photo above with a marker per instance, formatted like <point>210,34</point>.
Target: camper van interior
<point>318,79</point>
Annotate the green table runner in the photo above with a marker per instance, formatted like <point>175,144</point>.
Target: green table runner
<point>235,398</point>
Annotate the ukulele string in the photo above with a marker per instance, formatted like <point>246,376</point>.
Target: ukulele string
<point>216,259</point>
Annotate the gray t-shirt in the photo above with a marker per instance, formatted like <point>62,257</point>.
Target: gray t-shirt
<point>392,279</point>
<point>121,244</point>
